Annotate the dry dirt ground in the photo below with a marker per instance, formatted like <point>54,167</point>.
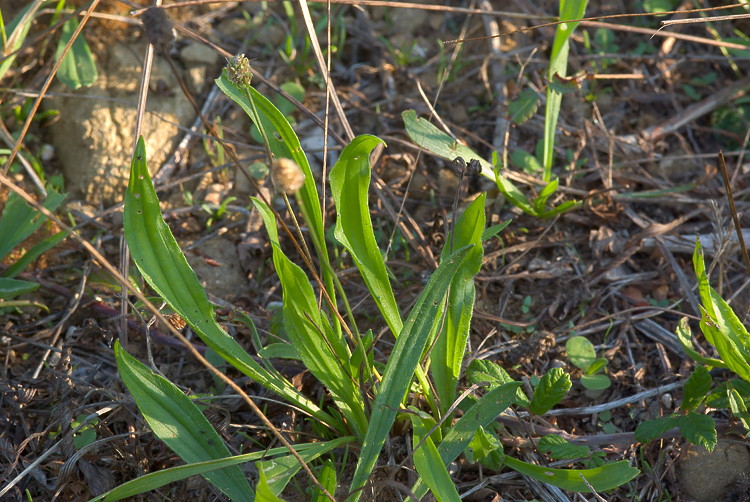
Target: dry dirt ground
<point>637,143</point>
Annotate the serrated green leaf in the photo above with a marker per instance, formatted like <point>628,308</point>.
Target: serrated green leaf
<point>559,448</point>
<point>481,446</point>
<point>523,107</point>
<point>176,420</point>
<point>563,86</point>
<point>552,388</point>
<point>482,370</point>
<point>606,477</point>
<point>404,358</point>
<point>78,68</point>
<point>698,429</point>
<point>695,389</point>
<point>652,429</point>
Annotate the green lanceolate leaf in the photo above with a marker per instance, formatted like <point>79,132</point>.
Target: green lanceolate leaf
<point>19,220</point>
<point>10,288</point>
<point>161,262</point>
<point>450,347</point>
<point>155,480</point>
<point>322,351</point>
<point>429,465</point>
<point>551,390</point>
<point>402,363</point>
<point>327,478</point>
<point>350,181</point>
<point>285,144</point>
<point>34,253</point>
<point>78,68</point>
<point>176,420</point>
<point>559,448</point>
<point>606,477</point>
<point>725,346</point>
<point>695,389</point>
<point>737,405</point>
<point>684,335</point>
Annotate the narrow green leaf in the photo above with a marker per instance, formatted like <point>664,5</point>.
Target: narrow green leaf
<point>540,203</point>
<point>514,195</point>
<point>435,141</point>
<point>606,477</point>
<point>318,346</point>
<point>725,346</point>
<point>20,220</point>
<point>698,429</point>
<point>551,390</point>
<point>695,389</point>
<point>559,448</point>
<point>262,492</point>
<point>10,288</point>
<point>34,253</point>
<point>11,28</point>
<point>161,262</point>
<point>78,68</point>
<point>450,347</point>
<point>176,420</point>
<point>738,407</point>
<point>480,414</point>
<point>494,230</point>
<point>402,363</point>
<point>429,465</point>
<point>350,181</point>
<point>327,478</point>
<point>684,335</point>
<point>155,480</point>
<point>279,350</point>
<point>284,143</point>
<point>652,429</point>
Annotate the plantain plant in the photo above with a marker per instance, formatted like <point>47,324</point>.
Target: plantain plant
<point>368,397</point>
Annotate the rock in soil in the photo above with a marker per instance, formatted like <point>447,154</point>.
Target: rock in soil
<point>706,477</point>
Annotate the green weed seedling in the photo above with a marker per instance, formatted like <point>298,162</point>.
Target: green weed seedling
<point>582,355</point>
<point>725,332</point>
<point>366,397</point>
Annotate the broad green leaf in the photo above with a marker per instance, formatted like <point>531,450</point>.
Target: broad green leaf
<point>684,335</point>
<point>350,181</point>
<point>321,350</point>
<point>296,91</point>
<point>569,9</point>
<point>176,420</point>
<point>482,370</point>
<point>78,68</point>
<point>284,143</point>
<point>279,350</point>
<point>19,220</point>
<point>435,141</point>
<point>402,363</point>
<point>523,107</point>
<point>698,429</point>
<point>599,364</point>
<point>482,445</point>
<point>480,414</point>
<point>34,253</point>
<point>606,477</point>
<point>450,347</point>
<point>551,390</point>
<point>596,382</point>
<point>737,405</point>
<point>524,160</point>
<point>10,288</point>
<point>155,480</point>
<point>559,448</point>
<point>327,478</point>
<point>725,346</point>
<point>695,389</point>
<point>581,352</point>
<point>428,464</point>
<point>652,429</point>
<point>161,262</point>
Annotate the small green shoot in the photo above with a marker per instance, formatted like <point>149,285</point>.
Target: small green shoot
<point>582,355</point>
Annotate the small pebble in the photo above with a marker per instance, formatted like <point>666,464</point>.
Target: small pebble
<point>666,400</point>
